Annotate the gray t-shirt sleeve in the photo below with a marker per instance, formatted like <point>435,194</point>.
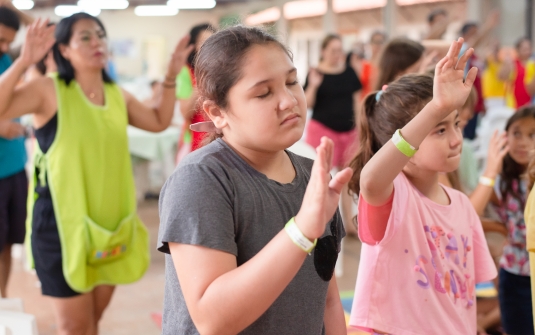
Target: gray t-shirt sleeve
<point>184,218</point>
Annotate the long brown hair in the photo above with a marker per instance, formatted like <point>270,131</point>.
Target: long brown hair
<point>219,63</point>
<point>513,171</point>
<point>398,55</point>
<point>380,118</point>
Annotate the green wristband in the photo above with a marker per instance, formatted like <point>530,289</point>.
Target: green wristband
<point>402,145</point>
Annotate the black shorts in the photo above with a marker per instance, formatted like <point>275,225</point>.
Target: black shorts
<point>515,303</point>
<point>46,250</point>
<point>13,197</point>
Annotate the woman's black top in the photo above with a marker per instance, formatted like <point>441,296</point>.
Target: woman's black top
<point>334,100</point>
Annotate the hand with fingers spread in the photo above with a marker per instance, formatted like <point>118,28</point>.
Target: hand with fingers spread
<point>322,194</point>
<point>179,57</point>
<point>450,88</point>
<point>39,40</point>
<point>498,148</point>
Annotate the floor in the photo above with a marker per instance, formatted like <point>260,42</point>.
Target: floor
<point>133,306</point>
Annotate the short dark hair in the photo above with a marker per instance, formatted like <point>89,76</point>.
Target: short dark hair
<point>63,37</point>
<point>467,26</point>
<point>434,13</point>
<point>9,18</point>
<point>194,36</point>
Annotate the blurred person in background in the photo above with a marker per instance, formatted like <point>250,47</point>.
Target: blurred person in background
<point>331,92</point>
<point>402,56</point>
<point>476,36</point>
<point>13,179</point>
<point>83,209</point>
<point>186,92</point>
<point>521,75</point>
<point>437,22</point>
<point>156,94</point>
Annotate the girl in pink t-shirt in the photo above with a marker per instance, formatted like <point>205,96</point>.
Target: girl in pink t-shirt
<point>424,248</point>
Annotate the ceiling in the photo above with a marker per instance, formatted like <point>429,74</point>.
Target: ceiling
<point>53,3</point>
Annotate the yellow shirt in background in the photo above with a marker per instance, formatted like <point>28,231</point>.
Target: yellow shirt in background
<point>492,86</point>
<point>528,77</point>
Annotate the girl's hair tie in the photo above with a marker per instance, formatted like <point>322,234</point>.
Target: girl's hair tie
<point>380,93</point>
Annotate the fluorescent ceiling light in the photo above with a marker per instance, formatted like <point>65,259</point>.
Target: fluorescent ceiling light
<point>104,4</point>
<point>66,10</point>
<point>155,11</point>
<point>23,4</point>
<point>341,6</point>
<point>267,15</point>
<point>415,2</point>
<point>304,8</point>
<point>191,4</point>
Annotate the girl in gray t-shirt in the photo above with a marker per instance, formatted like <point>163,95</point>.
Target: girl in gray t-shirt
<point>240,216</point>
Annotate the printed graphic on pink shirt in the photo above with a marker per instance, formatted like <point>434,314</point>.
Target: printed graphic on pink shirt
<point>446,275</point>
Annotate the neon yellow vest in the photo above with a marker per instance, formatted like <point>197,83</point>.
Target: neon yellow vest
<point>89,173</point>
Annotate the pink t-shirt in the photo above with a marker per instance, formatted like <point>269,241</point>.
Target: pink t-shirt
<point>420,278</point>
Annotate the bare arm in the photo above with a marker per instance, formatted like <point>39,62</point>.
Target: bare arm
<point>314,81</point>
<point>159,118</point>
<point>449,93</point>
<point>223,298</point>
<point>498,148</point>
<point>492,21</point>
<point>334,319</point>
<point>495,226</point>
<point>28,98</point>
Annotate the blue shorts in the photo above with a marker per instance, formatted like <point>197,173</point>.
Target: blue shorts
<point>515,303</point>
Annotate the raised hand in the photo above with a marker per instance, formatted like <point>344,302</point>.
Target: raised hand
<point>450,88</point>
<point>39,40</point>
<point>179,57</point>
<point>314,78</point>
<point>322,194</point>
<point>498,148</point>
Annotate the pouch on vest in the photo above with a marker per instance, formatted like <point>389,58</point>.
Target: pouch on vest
<point>104,245</point>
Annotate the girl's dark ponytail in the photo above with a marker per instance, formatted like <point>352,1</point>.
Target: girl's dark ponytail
<point>368,144</point>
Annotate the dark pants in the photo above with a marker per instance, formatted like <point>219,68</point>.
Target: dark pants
<point>470,129</point>
<point>13,196</point>
<point>515,303</point>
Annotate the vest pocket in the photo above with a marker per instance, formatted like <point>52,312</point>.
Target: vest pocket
<point>104,245</point>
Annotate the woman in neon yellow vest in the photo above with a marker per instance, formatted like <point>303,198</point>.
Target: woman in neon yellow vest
<point>84,231</point>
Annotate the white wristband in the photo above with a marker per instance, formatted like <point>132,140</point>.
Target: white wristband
<point>298,238</point>
<point>486,181</point>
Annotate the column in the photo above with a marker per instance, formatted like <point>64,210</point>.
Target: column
<point>329,19</point>
<point>389,17</point>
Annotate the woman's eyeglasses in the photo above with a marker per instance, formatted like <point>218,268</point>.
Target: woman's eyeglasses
<point>326,253</point>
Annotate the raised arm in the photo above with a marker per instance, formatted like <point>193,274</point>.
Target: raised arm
<point>223,298</point>
<point>450,91</point>
<point>29,98</point>
<point>498,148</point>
<point>492,21</point>
<point>314,81</point>
<point>159,118</point>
